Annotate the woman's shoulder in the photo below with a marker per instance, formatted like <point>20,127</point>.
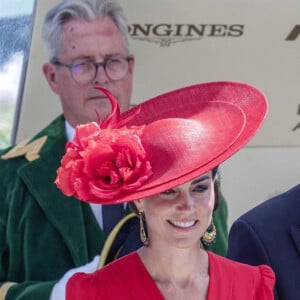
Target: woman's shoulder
<point>101,283</point>
<point>238,267</point>
<point>239,276</point>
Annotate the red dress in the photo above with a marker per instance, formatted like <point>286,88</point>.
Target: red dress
<point>128,279</point>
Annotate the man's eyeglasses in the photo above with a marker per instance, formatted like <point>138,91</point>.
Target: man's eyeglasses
<point>83,73</point>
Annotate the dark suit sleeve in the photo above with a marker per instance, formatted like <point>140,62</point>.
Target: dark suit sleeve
<point>246,246</point>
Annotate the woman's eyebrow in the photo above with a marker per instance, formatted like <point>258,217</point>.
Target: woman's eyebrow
<point>200,179</point>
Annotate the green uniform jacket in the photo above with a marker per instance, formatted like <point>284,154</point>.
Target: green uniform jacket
<point>43,234</point>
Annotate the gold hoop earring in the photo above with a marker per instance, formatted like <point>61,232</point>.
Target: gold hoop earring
<point>209,236</point>
<point>143,234</point>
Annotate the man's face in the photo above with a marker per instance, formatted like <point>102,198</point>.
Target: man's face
<point>93,41</point>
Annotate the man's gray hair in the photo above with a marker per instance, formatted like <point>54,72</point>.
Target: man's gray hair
<point>87,10</point>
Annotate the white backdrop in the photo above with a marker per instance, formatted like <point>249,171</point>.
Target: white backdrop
<point>228,40</point>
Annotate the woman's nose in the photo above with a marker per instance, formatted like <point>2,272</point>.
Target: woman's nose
<point>185,201</point>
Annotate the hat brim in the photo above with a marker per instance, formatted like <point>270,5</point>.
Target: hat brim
<point>230,113</point>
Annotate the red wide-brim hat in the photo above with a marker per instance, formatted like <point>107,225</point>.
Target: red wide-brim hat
<point>183,134</point>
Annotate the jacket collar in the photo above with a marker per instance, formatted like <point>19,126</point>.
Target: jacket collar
<point>39,176</point>
<point>295,233</point>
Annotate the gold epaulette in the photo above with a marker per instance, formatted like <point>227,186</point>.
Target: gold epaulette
<point>4,289</point>
<point>29,150</point>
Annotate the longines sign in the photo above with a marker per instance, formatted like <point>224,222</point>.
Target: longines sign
<point>294,34</point>
<point>207,40</point>
<point>166,34</point>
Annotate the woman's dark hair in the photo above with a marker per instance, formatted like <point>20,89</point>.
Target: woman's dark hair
<point>216,177</point>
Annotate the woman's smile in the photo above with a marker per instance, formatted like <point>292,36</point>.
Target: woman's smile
<point>183,224</point>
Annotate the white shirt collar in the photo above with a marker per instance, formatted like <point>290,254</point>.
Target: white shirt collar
<point>96,208</point>
<point>70,131</point>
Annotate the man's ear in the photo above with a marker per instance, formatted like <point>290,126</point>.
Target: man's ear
<point>131,64</point>
<point>50,73</point>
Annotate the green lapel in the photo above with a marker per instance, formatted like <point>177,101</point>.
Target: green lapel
<point>39,176</point>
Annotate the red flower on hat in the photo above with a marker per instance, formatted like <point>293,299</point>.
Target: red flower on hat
<point>101,163</point>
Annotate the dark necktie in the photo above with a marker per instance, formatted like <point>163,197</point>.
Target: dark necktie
<point>112,214</point>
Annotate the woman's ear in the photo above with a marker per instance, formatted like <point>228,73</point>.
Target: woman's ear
<point>217,195</point>
<point>131,64</point>
<point>138,204</point>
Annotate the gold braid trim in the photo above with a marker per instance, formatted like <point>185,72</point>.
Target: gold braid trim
<point>111,238</point>
<point>4,289</point>
<point>30,150</point>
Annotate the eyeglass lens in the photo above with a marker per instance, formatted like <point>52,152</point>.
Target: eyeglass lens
<point>86,72</point>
